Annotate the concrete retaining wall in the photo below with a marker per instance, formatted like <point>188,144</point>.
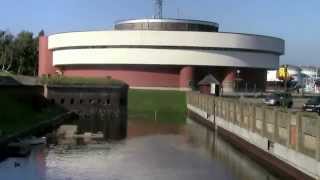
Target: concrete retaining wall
<point>292,138</point>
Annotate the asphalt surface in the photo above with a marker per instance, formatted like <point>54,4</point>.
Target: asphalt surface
<point>297,103</point>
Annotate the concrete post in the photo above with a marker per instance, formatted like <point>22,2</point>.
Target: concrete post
<point>227,110</point>
<point>218,107</point>
<point>214,113</point>
<point>241,114</point>
<point>246,116</point>
<point>202,103</point>
<point>234,112</point>
<point>223,109</point>
<point>209,107</point>
<point>212,105</point>
<point>289,131</point>
<point>230,105</point>
<point>318,141</point>
<point>275,126</point>
<point>299,135</point>
<point>264,123</point>
<point>253,121</point>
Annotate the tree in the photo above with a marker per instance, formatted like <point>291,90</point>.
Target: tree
<point>6,50</point>
<point>26,53</point>
<point>19,54</point>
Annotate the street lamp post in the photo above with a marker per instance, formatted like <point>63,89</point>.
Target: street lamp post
<point>237,80</point>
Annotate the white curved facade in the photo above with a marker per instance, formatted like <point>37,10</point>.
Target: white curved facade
<point>145,56</point>
<point>165,48</point>
<point>163,54</point>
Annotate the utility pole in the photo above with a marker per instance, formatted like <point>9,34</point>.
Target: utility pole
<point>286,78</point>
<point>158,6</point>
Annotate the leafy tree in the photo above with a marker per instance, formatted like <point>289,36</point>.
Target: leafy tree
<point>6,50</point>
<point>19,54</point>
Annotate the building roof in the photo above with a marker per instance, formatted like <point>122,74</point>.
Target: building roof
<point>209,79</point>
<point>168,20</point>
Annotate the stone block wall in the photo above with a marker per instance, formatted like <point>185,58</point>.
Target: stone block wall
<point>101,108</point>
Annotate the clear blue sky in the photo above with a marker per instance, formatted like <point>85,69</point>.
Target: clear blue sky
<point>296,21</point>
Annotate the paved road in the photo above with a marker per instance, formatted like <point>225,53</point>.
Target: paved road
<point>297,102</point>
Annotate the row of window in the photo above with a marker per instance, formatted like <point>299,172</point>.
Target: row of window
<point>81,101</point>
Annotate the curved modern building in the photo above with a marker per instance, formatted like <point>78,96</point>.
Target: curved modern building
<point>162,54</point>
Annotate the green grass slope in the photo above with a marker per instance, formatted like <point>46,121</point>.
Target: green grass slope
<point>169,106</point>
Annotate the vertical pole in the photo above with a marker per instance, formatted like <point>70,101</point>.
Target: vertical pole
<point>158,9</point>
<point>286,78</point>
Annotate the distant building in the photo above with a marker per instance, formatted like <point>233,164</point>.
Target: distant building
<point>311,76</point>
<point>302,77</point>
<point>163,54</point>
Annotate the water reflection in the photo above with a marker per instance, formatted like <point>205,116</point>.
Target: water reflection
<point>33,167</point>
<point>239,164</point>
<point>151,151</point>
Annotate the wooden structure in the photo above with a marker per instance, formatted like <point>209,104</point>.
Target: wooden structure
<point>209,85</point>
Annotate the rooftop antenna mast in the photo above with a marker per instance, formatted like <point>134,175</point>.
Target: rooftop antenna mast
<point>158,9</point>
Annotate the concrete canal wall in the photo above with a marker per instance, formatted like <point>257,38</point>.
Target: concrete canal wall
<point>286,142</point>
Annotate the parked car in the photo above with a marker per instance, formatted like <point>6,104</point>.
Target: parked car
<point>279,99</point>
<point>312,105</point>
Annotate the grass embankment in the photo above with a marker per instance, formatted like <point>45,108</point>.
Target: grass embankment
<point>63,80</point>
<point>170,106</point>
<point>4,73</point>
<point>17,115</point>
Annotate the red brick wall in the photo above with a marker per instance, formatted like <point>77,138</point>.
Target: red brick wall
<point>186,75</point>
<point>45,58</point>
<point>140,76</point>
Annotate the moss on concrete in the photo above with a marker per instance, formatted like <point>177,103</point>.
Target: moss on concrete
<point>166,106</point>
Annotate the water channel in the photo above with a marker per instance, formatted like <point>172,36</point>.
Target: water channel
<point>152,151</point>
